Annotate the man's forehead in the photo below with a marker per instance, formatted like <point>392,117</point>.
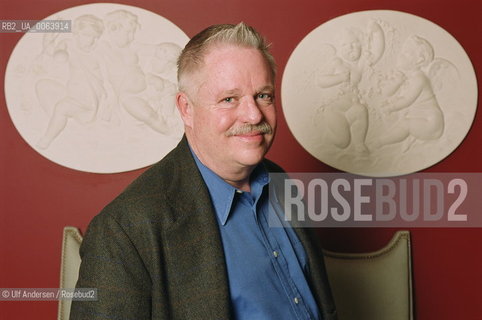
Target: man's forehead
<point>211,85</point>
<point>224,90</point>
<point>235,90</point>
<point>225,51</point>
<point>231,68</point>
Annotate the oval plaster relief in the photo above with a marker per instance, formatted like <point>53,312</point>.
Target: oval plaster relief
<point>379,93</point>
<point>101,98</point>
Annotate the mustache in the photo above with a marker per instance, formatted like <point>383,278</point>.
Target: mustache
<point>262,127</point>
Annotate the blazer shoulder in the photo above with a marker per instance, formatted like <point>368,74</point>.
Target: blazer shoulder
<point>173,179</point>
<point>165,176</point>
<point>272,166</point>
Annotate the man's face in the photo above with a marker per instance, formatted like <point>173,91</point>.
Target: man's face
<point>233,89</point>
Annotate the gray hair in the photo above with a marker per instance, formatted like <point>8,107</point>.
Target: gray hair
<point>192,56</point>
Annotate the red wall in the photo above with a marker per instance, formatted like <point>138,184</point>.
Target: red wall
<point>38,198</point>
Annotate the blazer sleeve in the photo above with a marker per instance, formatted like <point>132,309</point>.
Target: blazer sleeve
<point>112,265</point>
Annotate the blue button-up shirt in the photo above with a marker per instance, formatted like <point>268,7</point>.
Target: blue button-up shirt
<point>266,266</point>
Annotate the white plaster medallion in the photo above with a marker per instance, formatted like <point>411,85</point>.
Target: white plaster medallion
<point>101,98</point>
<point>379,93</point>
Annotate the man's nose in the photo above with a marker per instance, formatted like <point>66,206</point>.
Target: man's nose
<point>250,111</point>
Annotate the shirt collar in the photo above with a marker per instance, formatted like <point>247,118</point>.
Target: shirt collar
<point>222,193</point>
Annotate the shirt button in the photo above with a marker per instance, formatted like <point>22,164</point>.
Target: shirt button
<point>275,254</point>
<point>296,300</point>
<point>239,191</point>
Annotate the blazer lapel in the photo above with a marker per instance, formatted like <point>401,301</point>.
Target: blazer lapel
<point>195,263</point>
<point>317,274</point>
<point>318,280</point>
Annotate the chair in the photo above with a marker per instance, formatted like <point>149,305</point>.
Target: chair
<point>366,286</point>
<point>69,268</point>
<point>374,285</point>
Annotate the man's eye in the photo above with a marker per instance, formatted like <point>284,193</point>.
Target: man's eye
<point>229,99</point>
<point>265,96</point>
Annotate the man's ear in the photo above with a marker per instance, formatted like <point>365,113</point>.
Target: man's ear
<point>185,108</point>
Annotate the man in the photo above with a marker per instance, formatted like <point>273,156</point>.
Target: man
<point>189,238</point>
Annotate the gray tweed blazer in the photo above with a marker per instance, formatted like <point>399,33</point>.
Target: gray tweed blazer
<point>155,252</point>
